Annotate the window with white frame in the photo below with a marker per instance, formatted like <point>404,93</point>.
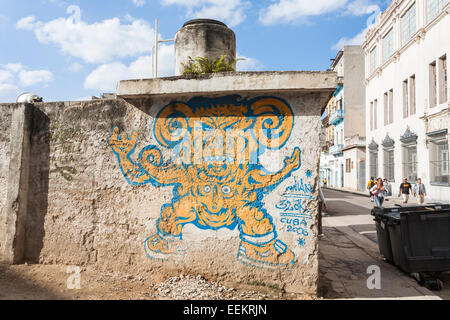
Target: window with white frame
<point>405,99</point>
<point>408,24</point>
<point>440,165</point>
<point>372,60</point>
<point>388,107</point>
<point>412,94</point>
<point>375,107</point>
<point>389,164</point>
<point>409,96</point>
<point>442,79</point>
<point>388,45</point>
<point>434,7</point>
<point>348,167</point>
<point>432,87</point>
<point>410,164</point>
<point>373,164</point>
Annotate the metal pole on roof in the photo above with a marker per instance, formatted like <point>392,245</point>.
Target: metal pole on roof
<point>155,50</point>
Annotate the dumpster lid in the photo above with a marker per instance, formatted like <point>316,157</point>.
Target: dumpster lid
<point>429,207</point>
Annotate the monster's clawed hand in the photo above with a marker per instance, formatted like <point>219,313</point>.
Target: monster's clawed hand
<point>294,160</point>
<point>120,143</point>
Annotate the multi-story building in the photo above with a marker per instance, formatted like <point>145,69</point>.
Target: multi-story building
<point>343,161</point>
<point>407,95</point>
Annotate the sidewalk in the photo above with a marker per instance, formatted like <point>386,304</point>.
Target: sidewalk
<point>391,200</point>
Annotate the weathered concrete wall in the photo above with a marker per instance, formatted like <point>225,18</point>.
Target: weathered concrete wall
<point>109,196</point>
<point>5,123</point>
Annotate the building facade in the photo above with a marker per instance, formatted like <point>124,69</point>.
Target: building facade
<point>407,95</point>
<point>343,159</point>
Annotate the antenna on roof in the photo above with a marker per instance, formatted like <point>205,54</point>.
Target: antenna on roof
<point>155,51</point>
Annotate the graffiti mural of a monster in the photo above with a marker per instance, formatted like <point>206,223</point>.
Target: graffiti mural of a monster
<point>216,174</point>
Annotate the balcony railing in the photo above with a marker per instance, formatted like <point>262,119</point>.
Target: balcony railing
<point>336,117</point>
<point>336,149</point>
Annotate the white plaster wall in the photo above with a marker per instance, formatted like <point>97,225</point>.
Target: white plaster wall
<point>429,43</point>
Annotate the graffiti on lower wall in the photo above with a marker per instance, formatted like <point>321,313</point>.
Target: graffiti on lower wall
<point>209,153</point>
<point>294,212</point>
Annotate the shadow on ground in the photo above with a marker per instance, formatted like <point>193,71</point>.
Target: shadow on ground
<point>343,271</point>
<point>19,287</point>
<point>338,208</point>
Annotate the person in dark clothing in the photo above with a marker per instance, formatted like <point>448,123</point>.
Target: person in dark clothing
<point>405,190</point>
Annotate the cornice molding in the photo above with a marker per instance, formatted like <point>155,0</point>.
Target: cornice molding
<point>388,142</point>
<point>408,137</point>
<point>373,146</point>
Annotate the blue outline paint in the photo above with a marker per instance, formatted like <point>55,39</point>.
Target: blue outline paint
<point>201,103</point>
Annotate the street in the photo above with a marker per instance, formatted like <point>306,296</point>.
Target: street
<point>349,247</point>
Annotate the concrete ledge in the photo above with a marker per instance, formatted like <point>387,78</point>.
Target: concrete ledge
<point>266,81</point>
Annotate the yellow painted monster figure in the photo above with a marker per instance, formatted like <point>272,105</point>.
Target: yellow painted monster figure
<point>215,172</point>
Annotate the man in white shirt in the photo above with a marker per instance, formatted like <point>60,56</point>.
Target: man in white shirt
<point>420,191</point>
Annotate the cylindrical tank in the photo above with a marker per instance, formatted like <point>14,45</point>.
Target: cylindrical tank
<point>203,38</point>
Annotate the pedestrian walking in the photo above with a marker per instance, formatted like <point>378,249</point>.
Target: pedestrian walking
<point>378,192</point>
<point>405,190</point>
<point>388,188</point>
<point>325,182</point>
<point>370,185</point>
<point>420,191</point>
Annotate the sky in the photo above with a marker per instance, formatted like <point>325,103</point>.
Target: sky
<point>67,50</point>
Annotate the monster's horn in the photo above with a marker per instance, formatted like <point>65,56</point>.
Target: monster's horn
<point>171,124</point>
<point>274,121</point>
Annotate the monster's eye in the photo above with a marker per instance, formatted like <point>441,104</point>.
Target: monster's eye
<point>226,189</point>
<point>207,189</point>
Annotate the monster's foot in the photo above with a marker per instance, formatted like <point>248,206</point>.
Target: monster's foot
<point>159,248</point>
<point>272,255</point>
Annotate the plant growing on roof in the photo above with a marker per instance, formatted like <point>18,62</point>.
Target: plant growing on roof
<point>203,65</point>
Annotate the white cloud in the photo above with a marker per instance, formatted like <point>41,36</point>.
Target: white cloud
<point>105,77</point>
<point>31,78</point>
<point>295,11</point>
<point>288,11</point>
<point>344,41</point>
<point>15,76</point>
<point>6,76</point>
<point>232,12</point>
<point>249,64</point>
<point>359,7</point>
<point>139,3</point>
<point>8,92</point>
<point>99,42</point>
